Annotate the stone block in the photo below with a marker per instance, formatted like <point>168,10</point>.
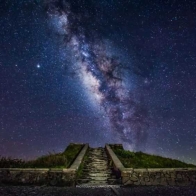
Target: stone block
<point>173,174</point>
<point>137,183</point>
<point>134,177</point>
<point>153,181</point>
<point>146,178</point>
<point>125,179</point>
<point>148,183</point>
<point>128,182</point>
<point>142,182</point>
<point>157,180</point>
<point>167,175</point>
<point>171,181</point>
<point>193,180</point>
<point>163,182</point>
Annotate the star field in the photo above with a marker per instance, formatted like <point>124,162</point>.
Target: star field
<point>98,72</point>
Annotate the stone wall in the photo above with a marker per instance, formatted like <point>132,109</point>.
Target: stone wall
<point>64,177</point>
<point>173,177</point>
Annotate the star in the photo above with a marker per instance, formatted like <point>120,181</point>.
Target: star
<point>38,66</point>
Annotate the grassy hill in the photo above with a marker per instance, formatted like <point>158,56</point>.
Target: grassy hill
<point>143,160</point>
<point>58,160</point>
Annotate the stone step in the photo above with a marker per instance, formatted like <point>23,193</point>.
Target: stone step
<point>88,177</point>
<point>98,164</point>
<point>90,166</point>
<point>97,179</point>
<point>98,182</point>
<point>97,171</point>
<point>99,174</point>
<point>95,165</point>
<point>103,170</point>
<point>96,168</point>
<point>97,161</point>
<point>98,158</point>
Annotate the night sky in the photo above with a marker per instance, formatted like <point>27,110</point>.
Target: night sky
<point>97,72</point>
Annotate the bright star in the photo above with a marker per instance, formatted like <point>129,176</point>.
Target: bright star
<point>38,65</point>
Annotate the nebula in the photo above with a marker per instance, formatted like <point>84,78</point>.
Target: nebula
<point>101,73</point>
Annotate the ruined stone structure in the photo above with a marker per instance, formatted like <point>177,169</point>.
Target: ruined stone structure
<point>98,166</point>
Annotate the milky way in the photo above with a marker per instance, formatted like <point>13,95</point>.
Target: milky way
<point>98,71</point>
<point>101,73</point>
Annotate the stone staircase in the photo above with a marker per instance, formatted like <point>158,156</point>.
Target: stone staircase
<point>96,170</point>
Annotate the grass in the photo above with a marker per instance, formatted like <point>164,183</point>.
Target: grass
<point>58,160</point>
<point>143,160</point>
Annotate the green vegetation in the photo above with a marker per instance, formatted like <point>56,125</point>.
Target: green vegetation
<point>11,163</point>
<point>58,160</point>
<point>143,160</point>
